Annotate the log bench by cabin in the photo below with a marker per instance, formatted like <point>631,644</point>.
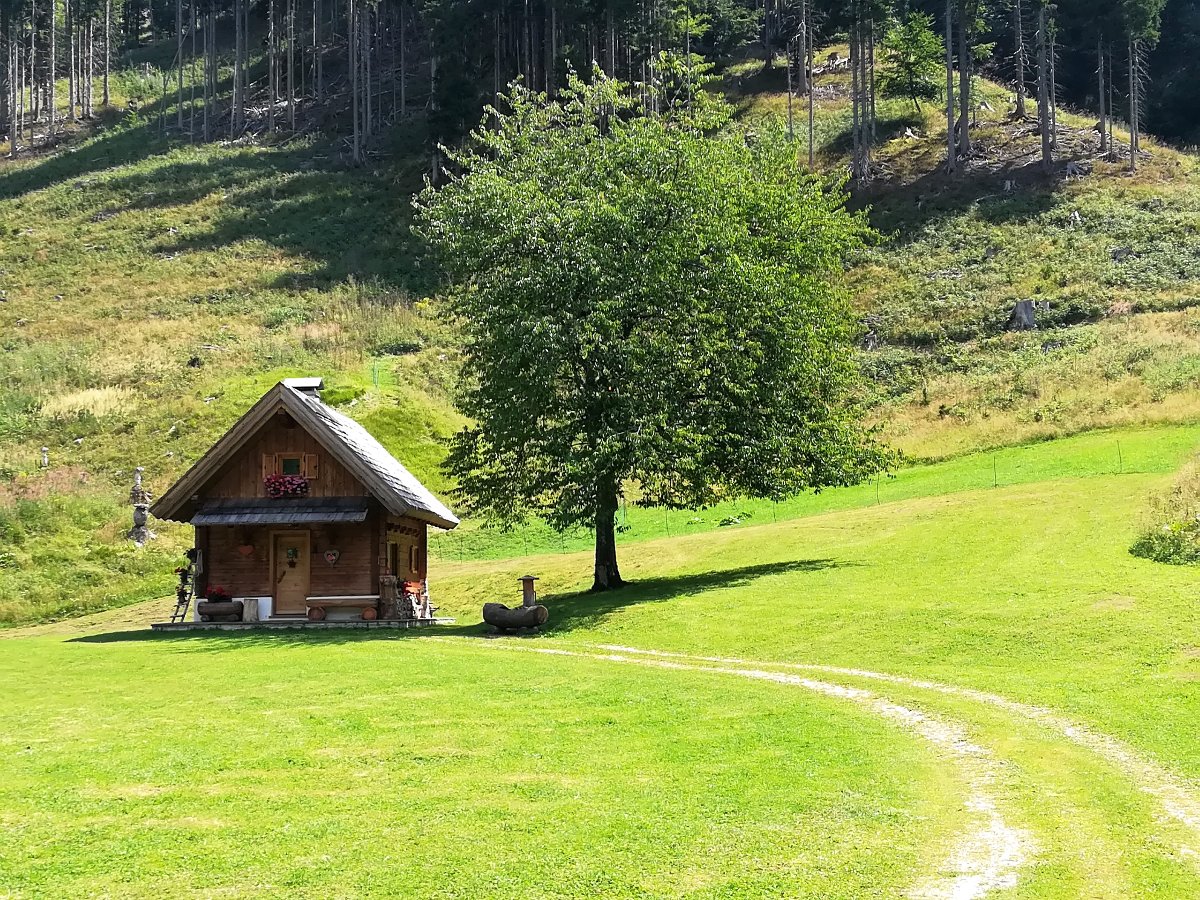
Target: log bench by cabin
<point>318,606</point>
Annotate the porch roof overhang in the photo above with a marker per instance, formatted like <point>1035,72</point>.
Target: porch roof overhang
<point>292,511</point>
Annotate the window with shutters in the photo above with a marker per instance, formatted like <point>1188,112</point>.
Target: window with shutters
<point>291,463</point>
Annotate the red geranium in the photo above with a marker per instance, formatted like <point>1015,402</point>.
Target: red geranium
<point>286,486</point>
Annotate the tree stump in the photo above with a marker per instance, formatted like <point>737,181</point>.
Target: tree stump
<point>502,618</point>
<point>369,614</point>
<point>316,613</point>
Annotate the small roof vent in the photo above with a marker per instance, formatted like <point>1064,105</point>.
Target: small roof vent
<point>305,385</point>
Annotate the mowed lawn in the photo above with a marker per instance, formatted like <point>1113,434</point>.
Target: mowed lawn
<point>323,767</point>
<point>442,764</point>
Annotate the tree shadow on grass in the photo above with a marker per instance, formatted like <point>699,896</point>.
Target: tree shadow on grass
<point>567,612</point>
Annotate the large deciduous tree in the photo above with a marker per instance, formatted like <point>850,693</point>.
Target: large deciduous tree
<point>651,309</point>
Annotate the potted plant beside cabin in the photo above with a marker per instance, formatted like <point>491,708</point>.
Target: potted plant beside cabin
<point>218,605</point>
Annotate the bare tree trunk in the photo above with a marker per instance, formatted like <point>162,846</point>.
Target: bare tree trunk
<point>811,91</point>
<point>1134,99</point>
<point>107,52</point>
<point>272,67</point>
<point>1100,94</point>
<point>951,147</point>
<point>855,101</point>
<point>352,25</point>
<point>1044,91</point>
<point>70,26</point>
<point>292,64</point>
<point>871,74</point>
<point>1053,86</point>
<point>964,82</point>
<point>1019,56</point>
<point>802,36</point>
<point>404,60</point>
<point>790,66</point>
<point>179,65</point>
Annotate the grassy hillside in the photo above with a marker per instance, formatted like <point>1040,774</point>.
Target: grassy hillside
<point>801,741</point>
<point>152,290</point>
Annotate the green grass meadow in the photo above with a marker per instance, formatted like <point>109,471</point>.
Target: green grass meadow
<point>443,764</point>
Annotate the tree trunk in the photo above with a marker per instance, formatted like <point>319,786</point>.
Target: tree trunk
<point>1044,91</point>
<point>179,65</point>
<point>855,100</point>
<point>352,25</point>
<point>1019,55</point>
<point>964,82</point>
<point>107,51</point>
<point>811,90</point>
<point>272,67</point>
<point>951,149</point>
<point>607,573</point>
<point>1053,87</point>
<point>1100,94</point>
<point>1133,104</point>
<point>291,83</point>
<point>70,25</point>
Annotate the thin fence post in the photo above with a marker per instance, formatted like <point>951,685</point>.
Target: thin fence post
<point>995,472</point>
<point>1120,460</point>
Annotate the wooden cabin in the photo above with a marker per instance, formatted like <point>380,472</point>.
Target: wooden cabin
<point>300,514</point>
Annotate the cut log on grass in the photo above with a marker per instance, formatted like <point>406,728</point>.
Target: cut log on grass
<point>500,616</point>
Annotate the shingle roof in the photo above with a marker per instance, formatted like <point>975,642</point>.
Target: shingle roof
<point>403,486</point>
<point>352,445</point>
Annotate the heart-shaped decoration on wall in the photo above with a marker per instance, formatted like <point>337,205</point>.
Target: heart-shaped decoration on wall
<point>332,556</point>
<point>246,549</point>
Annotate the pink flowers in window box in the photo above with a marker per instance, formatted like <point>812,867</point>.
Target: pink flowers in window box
<point>279,486</point>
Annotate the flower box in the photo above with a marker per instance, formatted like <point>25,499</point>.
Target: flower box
<point>279,486</point>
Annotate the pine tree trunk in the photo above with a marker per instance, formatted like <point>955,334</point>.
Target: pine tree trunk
<point>871,80</point>
<point>964,84</point>
<point>70,26</point>
<point>607,572</point>
<point>951,147</point>
<point>107,96</point>
<point>1133,104</point>
<point>272,67</point>
<point>1044,91</point>
<point>811,91</point>
<point>1053,89</point>
<point>1019,55</point>
<point>6,104</point>
<point>855,104</point>
<point>179,65</point>
<point>1100,94</point>
<point>355,112</point>
<point>291,64</point>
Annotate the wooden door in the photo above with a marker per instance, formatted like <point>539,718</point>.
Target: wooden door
<point>291,556</point>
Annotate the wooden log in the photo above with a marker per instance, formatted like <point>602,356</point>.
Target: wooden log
<point>213,611</point>
<point>316,613</point>
<point>500,616</point>
<point>369,614</point>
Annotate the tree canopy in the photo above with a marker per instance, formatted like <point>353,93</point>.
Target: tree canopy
<point>651,309</point>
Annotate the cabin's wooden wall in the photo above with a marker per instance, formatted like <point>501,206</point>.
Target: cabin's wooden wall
<point>249,575</point>
<point>242,476</point>
<point>400,530</point>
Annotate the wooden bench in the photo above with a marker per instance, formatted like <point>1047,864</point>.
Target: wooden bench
<point>317,606</point>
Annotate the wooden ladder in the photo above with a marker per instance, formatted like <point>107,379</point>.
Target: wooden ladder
<point>183,599</point>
